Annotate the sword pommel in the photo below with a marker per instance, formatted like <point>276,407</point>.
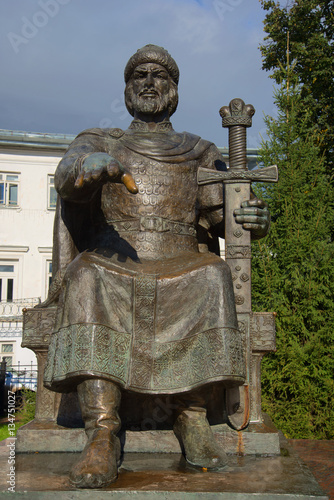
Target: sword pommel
<point>237,116</point>
<point>237,113</point>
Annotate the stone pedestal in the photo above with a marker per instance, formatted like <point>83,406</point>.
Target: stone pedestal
<point>50,437</point>
<point>162,476</point>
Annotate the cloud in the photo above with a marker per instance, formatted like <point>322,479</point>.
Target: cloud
<point>67,71</point>
<point>195,27</point>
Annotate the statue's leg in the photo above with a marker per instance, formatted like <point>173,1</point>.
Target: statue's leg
<point>97,466</point>
<point>194,431</point>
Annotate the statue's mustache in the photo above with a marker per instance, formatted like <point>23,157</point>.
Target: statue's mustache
<point>148,91</point>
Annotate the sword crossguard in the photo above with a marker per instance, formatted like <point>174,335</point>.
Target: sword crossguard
<point>264,174</point>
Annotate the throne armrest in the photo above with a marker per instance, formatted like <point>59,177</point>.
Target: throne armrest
<point>37,327</point>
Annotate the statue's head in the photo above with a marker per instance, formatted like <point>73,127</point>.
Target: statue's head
<point>151,76</point>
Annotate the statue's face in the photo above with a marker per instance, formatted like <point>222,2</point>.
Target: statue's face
<point>150,88</point>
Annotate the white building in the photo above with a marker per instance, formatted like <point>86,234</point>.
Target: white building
<point>27,205</point>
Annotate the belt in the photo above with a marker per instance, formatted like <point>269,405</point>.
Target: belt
<point>154,224</point>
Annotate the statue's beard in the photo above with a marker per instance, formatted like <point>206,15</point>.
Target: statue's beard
<point>152,105</point>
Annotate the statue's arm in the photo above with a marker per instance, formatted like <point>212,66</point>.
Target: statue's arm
<point>69,167</point>
<point>86,166</point>
<point>253,214</point>
<point>211,196</point>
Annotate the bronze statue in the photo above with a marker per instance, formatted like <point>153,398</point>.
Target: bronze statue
<point>145,305</point>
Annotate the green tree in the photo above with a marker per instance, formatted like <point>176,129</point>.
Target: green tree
<point>309,26</point>
<point>293,272</point>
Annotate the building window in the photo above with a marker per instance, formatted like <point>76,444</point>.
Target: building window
<point>52,193</point>
<point>7,354</point>
<point>48,274</point>
<point>7,281</point>
<point>9,189</point>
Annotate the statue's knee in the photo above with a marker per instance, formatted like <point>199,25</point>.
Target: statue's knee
<point>80,270</point>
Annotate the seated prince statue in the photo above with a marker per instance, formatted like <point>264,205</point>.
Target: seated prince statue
<point>145,306</point>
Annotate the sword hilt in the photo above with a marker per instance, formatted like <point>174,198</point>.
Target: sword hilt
<point>237,116</point>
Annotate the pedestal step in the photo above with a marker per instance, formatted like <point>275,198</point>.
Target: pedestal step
<point>49,437</point>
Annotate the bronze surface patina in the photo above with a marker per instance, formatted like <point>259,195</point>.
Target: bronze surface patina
<point>144,303</point>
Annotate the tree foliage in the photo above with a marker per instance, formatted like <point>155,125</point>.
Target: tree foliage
<point>293,270</point>
<point>309,27</point>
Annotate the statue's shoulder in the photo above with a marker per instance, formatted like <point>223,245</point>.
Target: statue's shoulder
<point>103,133</point>
<point>195,141</point>
<point>116,133</point>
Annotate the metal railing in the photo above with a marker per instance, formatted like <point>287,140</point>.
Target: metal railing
<point>12,311</point>
<point>10,329</point>
<point>11,315</point>
<point>21,377</point>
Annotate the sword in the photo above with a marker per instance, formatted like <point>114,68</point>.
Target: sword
<point>237,182</point>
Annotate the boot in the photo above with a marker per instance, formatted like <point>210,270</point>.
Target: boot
<point>97,467</point>
<point>195,434</point>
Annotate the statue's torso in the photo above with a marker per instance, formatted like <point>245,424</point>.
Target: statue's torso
<point>159,221</point>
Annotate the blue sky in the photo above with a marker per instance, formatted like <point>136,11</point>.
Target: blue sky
<point>63,60</point>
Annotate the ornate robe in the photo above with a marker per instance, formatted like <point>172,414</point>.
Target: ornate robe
<point>139,304</point>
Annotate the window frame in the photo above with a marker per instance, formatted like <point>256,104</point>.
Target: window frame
<point>9,354</point>
<point>49,193</point>
<point>6,276</point>
<point>7,184</point>
<point>48,275</point>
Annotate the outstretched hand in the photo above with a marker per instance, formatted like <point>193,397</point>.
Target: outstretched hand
<point>254,216</point>
<point>100,167</point>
